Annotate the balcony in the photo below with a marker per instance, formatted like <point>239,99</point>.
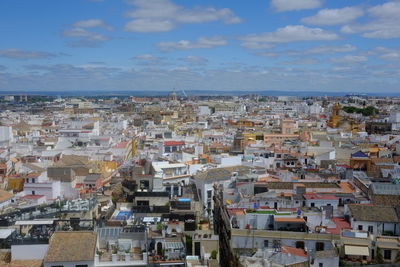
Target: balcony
<point>133,258</point>
<point>388,242</point>
<point>358,238</point>
<point>284,235</point>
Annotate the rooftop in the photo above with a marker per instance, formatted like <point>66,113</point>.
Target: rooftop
<point>372,213</point>
<point>319,196</point>
<point>71,246</point>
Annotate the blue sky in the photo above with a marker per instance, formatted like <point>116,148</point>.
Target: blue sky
<point>304,45</point>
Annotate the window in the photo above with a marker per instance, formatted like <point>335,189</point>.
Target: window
<point>360,227</point>
<point>312,204</point>
<point>370,229</point>
<point>33,192</point>
<point>144,184</point>
<point>142,203</point>
<point>265,243</point>
<point>300,244</point>
<point>209,193</point>
<point>387,254</point>
<point>57,265</point>
<point>197,248</point>
<point>277,243</point>
<point>320,264</point>
<point>319,246</point>
<point>81,265</point>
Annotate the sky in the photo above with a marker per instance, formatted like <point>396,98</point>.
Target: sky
<point>115,45</point>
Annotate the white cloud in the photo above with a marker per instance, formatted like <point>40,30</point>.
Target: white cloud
<point>63,77</point>
<point>25,55</point>
<point>195,60</point>
<point>201,42</point>
<point>331,49</point>
<point>147,57</point>
<point>350,59</point>
<point>334,16</point>
<point>301,61</point>
<point>148,25</point>
<point>290,33</point>
<point>256,45</point>
<point>389,9</point>
<point>92,23</point>
<point>387,53</point>
<point>318,50</point>
<point>384,23</point>
<point>84,37</point>
<point>164,15</point>
<point>290,5</point>
<point>84,34</point>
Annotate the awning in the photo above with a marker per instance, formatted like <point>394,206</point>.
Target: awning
<point>356,250</point>
<point>173,245</point>
<point>5,233</point>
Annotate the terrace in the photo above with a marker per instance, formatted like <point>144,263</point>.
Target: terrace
<point>121,246</point>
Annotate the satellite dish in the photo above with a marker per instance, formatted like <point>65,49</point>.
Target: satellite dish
<point>169,230</point>
<point>178,229</point>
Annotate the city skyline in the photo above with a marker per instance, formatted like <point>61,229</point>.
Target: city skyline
<point>299,45</point>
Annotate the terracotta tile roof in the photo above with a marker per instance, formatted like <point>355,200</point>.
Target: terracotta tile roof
<point>4,195</point>
<point>340,224</point>
<point>71,246</point>
<point>174,143</point>
<point>347,187</point>
<point>26,263</point>
<point>318,196</point>
<point>372,213</point>
<point>72,160</point>
<point>121,145</point>
<point>294,251</point>
<point>236,211</point>
<point>291,219</point>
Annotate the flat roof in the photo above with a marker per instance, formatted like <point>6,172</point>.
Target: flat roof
<point>4,233</point>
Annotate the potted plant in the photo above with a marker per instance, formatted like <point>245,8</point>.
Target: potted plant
<point>98,254</point>
<point>114,253</point>
<point>214,254</point>
<point>127,254</point>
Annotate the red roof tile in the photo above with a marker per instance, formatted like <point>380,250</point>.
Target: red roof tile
<point>174,143</point>
<point>294,251</point>
<point>340,224</point>
<point>318,196</point>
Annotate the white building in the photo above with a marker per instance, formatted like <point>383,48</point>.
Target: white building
<point>6,134</point>
<point>40,185</point>
<point>395,120</point>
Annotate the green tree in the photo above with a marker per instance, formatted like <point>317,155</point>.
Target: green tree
<point>214,254</point>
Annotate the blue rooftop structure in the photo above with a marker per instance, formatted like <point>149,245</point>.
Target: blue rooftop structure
<point>359,154</point>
